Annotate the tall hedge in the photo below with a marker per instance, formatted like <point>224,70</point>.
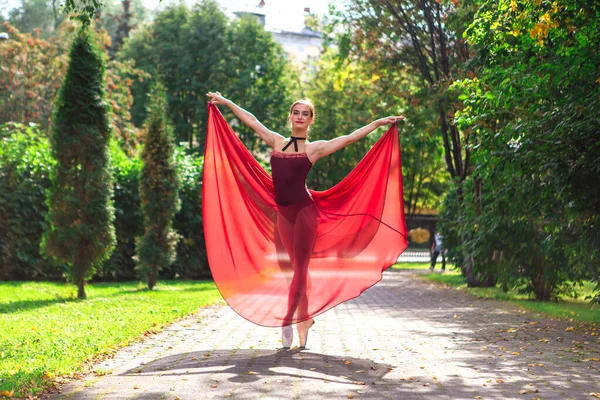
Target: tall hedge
<point>159,185</point>
<point>80,216</point>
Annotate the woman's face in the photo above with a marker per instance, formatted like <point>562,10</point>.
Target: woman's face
<point>300,116</point>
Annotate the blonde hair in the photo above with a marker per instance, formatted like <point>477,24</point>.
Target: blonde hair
<point>306,102</point>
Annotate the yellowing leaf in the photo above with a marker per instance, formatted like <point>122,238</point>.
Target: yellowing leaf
<point>569,329</point>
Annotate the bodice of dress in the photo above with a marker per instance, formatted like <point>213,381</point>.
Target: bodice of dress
<point>289,171</point>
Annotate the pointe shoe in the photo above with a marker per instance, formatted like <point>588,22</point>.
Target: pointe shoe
<point>303,332</point>
<point>287,336</point>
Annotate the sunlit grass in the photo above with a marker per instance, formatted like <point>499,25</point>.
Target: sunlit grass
<point>421,265</point>
<point>576,309</point>
<point>45,331</point>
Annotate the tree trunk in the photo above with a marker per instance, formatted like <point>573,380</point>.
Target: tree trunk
<point>468,267</point>
<point>542,288</point>
<point>81,288</point>
<point>153,278</point>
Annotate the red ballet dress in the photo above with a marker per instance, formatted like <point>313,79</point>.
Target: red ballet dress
<point>280,253</point>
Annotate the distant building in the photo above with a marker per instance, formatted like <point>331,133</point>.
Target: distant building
<point>300,46</point>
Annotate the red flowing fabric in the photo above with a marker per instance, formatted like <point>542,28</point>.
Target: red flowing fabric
<point>281,253</point>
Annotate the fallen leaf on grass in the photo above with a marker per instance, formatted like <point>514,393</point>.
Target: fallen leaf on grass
<point>544,340</point>
<point>6,393</point>
<point>569,329</point>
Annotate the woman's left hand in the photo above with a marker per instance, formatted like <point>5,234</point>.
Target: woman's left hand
<point>390,120</point>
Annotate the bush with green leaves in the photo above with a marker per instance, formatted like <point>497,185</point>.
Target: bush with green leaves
<point>531,107</point>
<point>25,163</point>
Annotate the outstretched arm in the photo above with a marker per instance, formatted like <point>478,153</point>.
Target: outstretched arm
<point>268,136</point>
<point>321,148</point>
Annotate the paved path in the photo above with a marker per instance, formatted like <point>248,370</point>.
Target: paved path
<point>405,338</point>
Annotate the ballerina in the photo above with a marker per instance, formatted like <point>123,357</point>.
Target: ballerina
<point>300,233</point>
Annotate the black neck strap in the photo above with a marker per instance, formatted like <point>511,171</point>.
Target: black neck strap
<point>293,139</point>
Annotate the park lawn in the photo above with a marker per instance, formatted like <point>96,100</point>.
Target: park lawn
<point>420,265</point>
<point>568,308</point>
<point>45,332</point>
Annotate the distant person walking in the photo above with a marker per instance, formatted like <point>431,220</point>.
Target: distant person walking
<point>437,248</point>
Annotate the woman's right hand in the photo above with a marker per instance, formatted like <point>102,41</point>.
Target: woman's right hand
<point>216,98</point>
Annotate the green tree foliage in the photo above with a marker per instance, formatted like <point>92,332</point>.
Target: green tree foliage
<point>159,185</point>
<point>349,94</point>
<point>346,97</point>
<point>189,48</point>
<point>25,163</point>
<point>43,16</point>
<point>200,50</point>
<point>422,38</point>
<point>80,214</point>
<point>532,104</point>
<point>415,36</point>
<point>259,77</point>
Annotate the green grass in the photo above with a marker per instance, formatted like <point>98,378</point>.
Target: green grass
<point>568,308</point>
<point>420,265</point>
<point>46,332</point>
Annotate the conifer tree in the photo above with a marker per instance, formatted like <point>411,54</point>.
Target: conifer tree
<point>81,214</point>
<point>159,190</point>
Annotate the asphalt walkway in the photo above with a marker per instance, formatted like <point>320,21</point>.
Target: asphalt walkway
<point>404,338</point>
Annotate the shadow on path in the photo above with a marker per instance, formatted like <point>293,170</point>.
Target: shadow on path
<point>245,366</point>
